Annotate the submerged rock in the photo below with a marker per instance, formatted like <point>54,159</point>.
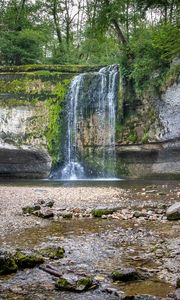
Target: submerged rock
<point>75,284</point>
<point>126,274</point>
<point>173,212</point>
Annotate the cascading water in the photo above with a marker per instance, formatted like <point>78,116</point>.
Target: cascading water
<point>91,112</point>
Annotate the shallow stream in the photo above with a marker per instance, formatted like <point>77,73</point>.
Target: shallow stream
<point>94,247</point>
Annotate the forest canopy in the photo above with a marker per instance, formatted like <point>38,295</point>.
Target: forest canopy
<point>142,35</point>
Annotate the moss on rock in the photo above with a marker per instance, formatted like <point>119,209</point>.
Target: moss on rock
<point>7,264</point>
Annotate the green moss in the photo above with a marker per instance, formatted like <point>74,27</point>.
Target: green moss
<point>99,212</point>
<point>54,131</point>
<point>27,261</point>
<point>84,284</point>
<point>50,68</point>
<point>53,253</point>
<point>18,102</point>
<point>25,85</point>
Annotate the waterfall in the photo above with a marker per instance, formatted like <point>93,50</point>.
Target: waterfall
<point>73,169</point>
<point>91,112</point>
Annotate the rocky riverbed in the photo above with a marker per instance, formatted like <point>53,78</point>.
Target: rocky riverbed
<point>103,230</point>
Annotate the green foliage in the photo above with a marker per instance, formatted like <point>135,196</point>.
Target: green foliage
<point>153,50</point>
<point>145,138</point>
<point>22,47</point>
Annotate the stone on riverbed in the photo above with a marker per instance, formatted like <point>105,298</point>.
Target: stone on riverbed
<point>45,213</point>
<point>10,263</point>
<point>173,212</point>
<point>75,284</point>
<point>126,274</point>
<point>101,211</point>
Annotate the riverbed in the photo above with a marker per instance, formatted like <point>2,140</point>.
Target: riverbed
<point>136,235</point>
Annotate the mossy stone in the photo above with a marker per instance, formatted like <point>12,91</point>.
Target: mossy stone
<point>99,212</point>
<point>84,284</point>
<point>125,274</point>
<point>27,261</point>
<point>63,284</point>
<point>7,264</point>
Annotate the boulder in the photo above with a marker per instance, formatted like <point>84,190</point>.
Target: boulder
<point>125,274</point>
<point>27,260</point>
<point>173,212</point>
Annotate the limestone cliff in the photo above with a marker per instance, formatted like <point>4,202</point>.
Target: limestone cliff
<point>149,138</point>
<point>31,117</point>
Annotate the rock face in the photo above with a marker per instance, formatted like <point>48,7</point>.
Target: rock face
<point>149,160</point>
<point>148,143</point>
<point>173,212</point>
<point>24,163</point>
<point>31,118</point>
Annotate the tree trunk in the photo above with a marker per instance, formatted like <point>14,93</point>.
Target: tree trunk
<point>56,23</point>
